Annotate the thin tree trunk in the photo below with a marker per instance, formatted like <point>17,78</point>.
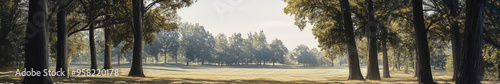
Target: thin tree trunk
<point>333,63</point>
<point>165,58</point>
<point>119,56</point>
<point>470,68</point>
<point>36,49</point>
<point>354,71</point>
<point>371,33</point>
<point>398,62</point>
<point>107,48</point>
<point>93,59</point>
<point>384,55</point>
<point>424,69</point>
<point>62,43</point>
<point>136,69</point>
<point>156,58</point>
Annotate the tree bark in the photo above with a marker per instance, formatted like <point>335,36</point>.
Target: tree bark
<point>372,68</point>
<point>93,59</point>
<point>354,71</point>
<point>107,48</point>
<point>384,55</point>
<point>36,49</point>
<point>455,37</point>
<point>471,63</point>
<point>136,69</point>
<point>424,70</point>
<point>62,43</point>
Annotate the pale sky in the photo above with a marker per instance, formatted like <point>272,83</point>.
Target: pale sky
<point>244,16</point>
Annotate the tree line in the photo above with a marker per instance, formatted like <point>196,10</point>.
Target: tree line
<point>415,30</point>
<point>418,31</point>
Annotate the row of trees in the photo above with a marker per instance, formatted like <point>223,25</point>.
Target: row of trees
<point>194,44</point>
<point>347,26</point>
<point>117,18</point>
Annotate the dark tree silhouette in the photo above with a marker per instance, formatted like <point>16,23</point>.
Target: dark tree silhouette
<point>455,35</point>
<point>62,40</point>
<point>93,58</point>
<point>424,69</point>
<point>136,69</point>
<point>36,48</point>
<point>372,68</point>
<point>107,48</point>
<point>471,59</point>
<point>354,72</point>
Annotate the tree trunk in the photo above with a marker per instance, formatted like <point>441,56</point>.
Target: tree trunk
<point>333,63</point>
<point>471,62</point>
<point>107,48</point>
<point>136,69</point>
<point>273,62</point>
<point>398,63</point>
<point>36,49</point>
<point>424,69</point>
<point>156,58</point>
<point>62,43</point>
<point>203,62</point>
<point>165,58</point>
<point>93,59</point>
<point>119,56</point>
<point>354,71</point>
<point>384,55</point>
<point>455,37</point>
<point>371,33</point>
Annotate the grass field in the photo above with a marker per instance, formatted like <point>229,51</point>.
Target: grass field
<point>171,73</point>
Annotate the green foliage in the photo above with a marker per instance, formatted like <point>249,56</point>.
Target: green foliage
<point>326,20</point>
<point>13,16</point>
<point>279,51</point>
<point>196,42</point>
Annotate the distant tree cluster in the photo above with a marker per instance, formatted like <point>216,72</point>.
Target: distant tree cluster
<point>192,43</point>
<point>302,55</point>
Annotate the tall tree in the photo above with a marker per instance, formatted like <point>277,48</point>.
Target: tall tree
<point>373,72</point>
<point>62,39</point>
<point>93,52</point>
<point>328,27</point>
<point>354,71</point>
<point>424,68</point>
<point>385,60</point>
<point>455,35</point>
<point>36,47</point>
<point>279,51</point>
<point>136,69</point>
<point>472,59</point>
<point>107,48</point>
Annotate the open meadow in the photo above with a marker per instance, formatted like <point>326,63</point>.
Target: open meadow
<point>171,73</point>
